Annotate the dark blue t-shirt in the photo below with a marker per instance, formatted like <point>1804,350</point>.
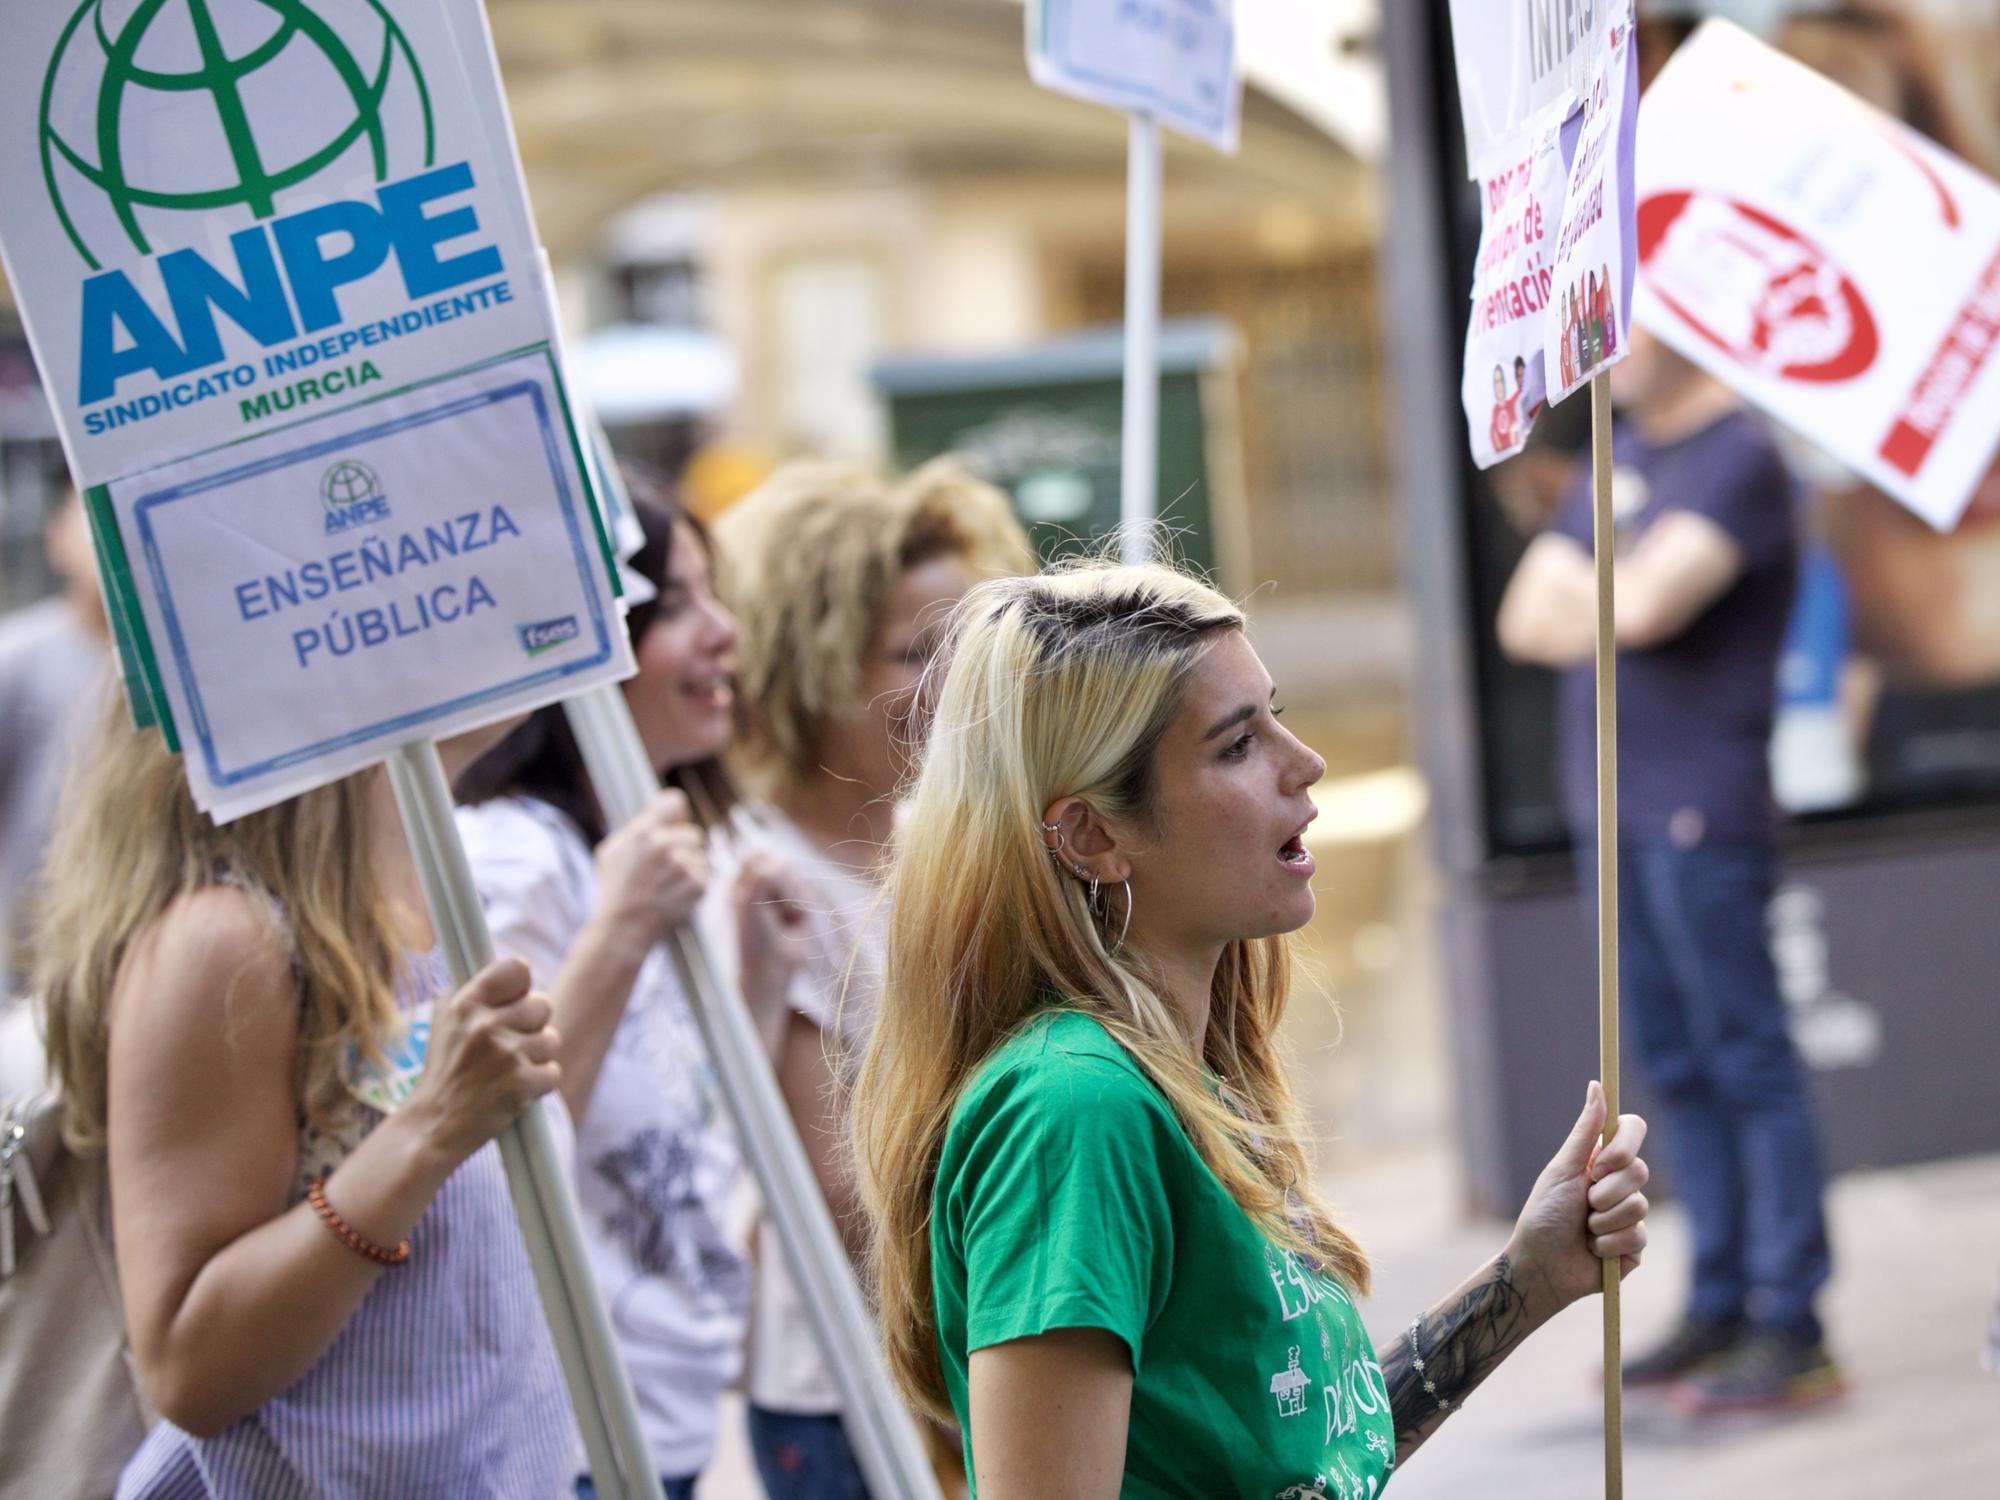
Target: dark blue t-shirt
<point>1694,714</point>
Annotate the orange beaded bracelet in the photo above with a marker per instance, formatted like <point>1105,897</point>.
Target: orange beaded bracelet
<point>344,1232</point>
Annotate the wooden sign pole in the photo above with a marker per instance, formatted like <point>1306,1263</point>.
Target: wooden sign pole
<point>1604,545</point>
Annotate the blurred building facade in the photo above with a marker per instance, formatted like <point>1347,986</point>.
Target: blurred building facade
<point>832,184</point>
<point>762,198</point>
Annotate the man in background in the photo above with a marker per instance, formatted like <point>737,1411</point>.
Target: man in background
<point>1707,555</point>
<point>52,659</point>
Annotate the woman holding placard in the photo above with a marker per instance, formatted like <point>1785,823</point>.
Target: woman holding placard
<point>1095,1241</point>
<point>325,1288</point>
<point>843,583</point>
<point>657,1159</point>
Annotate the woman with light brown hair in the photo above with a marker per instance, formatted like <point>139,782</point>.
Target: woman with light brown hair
<point>325,1291</point>
<point>840,583</point>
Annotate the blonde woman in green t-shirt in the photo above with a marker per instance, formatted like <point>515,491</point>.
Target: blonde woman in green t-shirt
<point>1096,1243</point>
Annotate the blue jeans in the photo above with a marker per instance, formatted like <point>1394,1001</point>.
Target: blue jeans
<point>804,1457</point>
<point>677,1489</point>
<point>1705,1023</point>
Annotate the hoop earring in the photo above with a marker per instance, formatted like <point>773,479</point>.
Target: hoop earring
<point>1093,890</point>
<point>1126,927</point>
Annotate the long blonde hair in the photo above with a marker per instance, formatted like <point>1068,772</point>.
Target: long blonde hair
<point>808,561</point>
<point>1056,685</point>
<point>129,843</point>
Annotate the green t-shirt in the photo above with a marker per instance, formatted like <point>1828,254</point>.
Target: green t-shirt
<point>1068,1196</point>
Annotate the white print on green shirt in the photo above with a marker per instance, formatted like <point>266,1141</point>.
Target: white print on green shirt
<point>1300,1290</point>
<point>1288,1386</point>
<point>1362,1393</point>
<point>1347,1485</point>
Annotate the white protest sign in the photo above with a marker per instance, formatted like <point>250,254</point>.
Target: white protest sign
<point>1523,66</point>
<point>219,216</point>
<point>1826,261</point>
<point>1173,60</point>
<point>1513,285</point>
<point>1551,285</point>
<point>1597,246</point>
<point>320,597</point>
<point>246,235</point>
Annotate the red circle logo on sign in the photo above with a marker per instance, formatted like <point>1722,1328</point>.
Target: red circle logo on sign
<point>1757,289</point>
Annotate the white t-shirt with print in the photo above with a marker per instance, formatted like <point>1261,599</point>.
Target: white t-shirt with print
<point>656,1158</point>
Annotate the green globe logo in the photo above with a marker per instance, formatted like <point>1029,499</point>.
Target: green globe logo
<point>346,484</point>
<point>233,85</point>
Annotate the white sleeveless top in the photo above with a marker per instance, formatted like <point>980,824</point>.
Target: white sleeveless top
<point>444,1381</point>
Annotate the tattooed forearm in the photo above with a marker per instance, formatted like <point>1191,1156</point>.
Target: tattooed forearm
<point>1459,1341</point>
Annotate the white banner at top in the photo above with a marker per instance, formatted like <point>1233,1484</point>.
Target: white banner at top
<point>1523,67</point>
<point>219,218</point>
<point>1172,59</point>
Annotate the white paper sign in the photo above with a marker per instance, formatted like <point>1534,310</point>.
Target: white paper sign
<point>1172,59</point>
<point>1596,249</point>
<point>1523,67</point>
<point>1827,262</point>
<point>1505,382</point>
<point>330,593</point>
<point>1551,291</point>
<point>220,217</point>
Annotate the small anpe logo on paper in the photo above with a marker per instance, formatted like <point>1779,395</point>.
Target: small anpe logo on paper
<point>546,635</point>
<point>352,496</point>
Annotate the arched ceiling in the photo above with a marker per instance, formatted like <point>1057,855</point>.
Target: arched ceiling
<point>614,100</point>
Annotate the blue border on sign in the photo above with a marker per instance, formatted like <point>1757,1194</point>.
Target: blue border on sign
<point>1141,96</point>
<point>146,505</point>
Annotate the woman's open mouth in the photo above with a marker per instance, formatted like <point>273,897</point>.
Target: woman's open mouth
<point>717,692</point>
<point>1293,856</point>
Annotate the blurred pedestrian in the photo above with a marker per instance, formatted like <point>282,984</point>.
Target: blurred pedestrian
<point>1096,1242</point>
<point>842,584</point>
<point>1706,563</point>
<point>325,1288</point>
<point>52,655</point>
<point>1921,598</point>
<point>657,1158</point>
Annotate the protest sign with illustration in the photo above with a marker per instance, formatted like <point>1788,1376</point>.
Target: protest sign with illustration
<point>1826,261</point>
<point>1550,97</point>
<point>278,271</point>
<point>1596,248</point>
<point>1513,286</point>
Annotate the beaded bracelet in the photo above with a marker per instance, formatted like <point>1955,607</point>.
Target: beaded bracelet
<point>1417,1363</point>
<point>367,1249</point>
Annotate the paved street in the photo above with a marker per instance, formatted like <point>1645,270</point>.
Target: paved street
<point>1919,1261</point>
